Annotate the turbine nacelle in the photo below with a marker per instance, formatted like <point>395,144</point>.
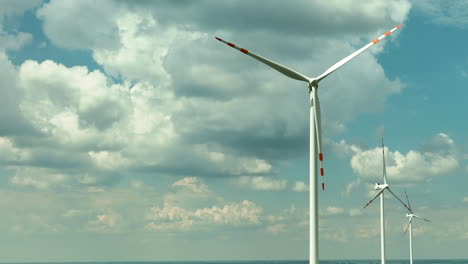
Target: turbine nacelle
<point>379,186</point>
<point>313,83</point>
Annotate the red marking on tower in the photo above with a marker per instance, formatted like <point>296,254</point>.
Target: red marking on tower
<point>320,156</point>
<point>323,186</point>
<point>321,172</point>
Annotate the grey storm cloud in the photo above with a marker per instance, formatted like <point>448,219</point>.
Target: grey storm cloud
<point>297,18</point>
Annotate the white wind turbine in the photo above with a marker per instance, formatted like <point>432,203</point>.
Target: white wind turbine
<point>315,138</point>
<point>381,188</point>
<point>410,216</point>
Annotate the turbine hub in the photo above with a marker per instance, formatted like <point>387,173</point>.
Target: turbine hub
<point>313,83</point>
<point>379,186</point>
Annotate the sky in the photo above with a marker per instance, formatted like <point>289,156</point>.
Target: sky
<point>129,133</point>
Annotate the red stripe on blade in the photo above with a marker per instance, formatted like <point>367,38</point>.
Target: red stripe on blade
<point>244,51</point>
<point>399,26</point>
<point>388,33</point>
<point>230,44</point>
<point>218,39</point>
<point>323,186</point>
<point>321,172</point>
<point>320,156</point>
<point>375,40</point>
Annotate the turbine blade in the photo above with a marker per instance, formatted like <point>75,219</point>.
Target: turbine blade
<point>399,199</point>
<point>284,70</point>
<point>422,218</point>
<point>409,222</point>
<point>318,132</point>
<point>409,205</point>
<point>378,193</point>
<point>354,54</point>
<point>384,167</point>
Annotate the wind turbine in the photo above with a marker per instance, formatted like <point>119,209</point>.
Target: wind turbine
<point>410,216</point>
<point>315,137</point>
<point>381,188</point>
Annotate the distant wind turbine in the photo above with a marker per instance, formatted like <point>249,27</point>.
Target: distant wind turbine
<point>315,137</point>
<point>410,216</point>
<point>381,188</point>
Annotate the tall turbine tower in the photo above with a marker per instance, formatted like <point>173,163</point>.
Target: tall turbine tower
<point>381,188</point>
<point>315,137</point>
<point>410,216</point>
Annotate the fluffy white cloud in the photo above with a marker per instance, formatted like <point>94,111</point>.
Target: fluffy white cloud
<point>350,187</point>
<point>333,210</point>
<point>59,97</point>
<point>276,229</point>
<point>101,17</point>
<point>367,231</point>
<point>435,158</point>
<point>336,235</point>
<point>300,186</point>
<point>40,179</point>
<point>262,183</point>
<point>105,223</point>
<point>191,183</point>
<point>355,212</point>
<point>11,153</point>
<point>173,218</point>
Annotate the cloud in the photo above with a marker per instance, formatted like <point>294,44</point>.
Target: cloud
<point>333,210</point>
<point>8,10</point>
<point>263,183</point>
<point>448,13</point>
<point>45,180</point>
<point>440,143</point>
<point>355,212</point>
<point>437,157</point>
<point>173,218</point>
<point>212,110</point>
<point>85,119</point>
<point>192,184</point>
<point>336,235</point>
<point>367,232</point>
<point>276,229</point>
<point>351,187</point>
<point>300,186</point>
<point>17,7</point>
<point>191,193</point>
<point>171,101</point>
<point>99,16</point>
<point>71,213</point>
<point>465,199</point>
<point>13,122</point>
<point>105,223</point>
<point>309,16</point>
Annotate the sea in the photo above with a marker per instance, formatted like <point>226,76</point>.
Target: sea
<point>426,261</point>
